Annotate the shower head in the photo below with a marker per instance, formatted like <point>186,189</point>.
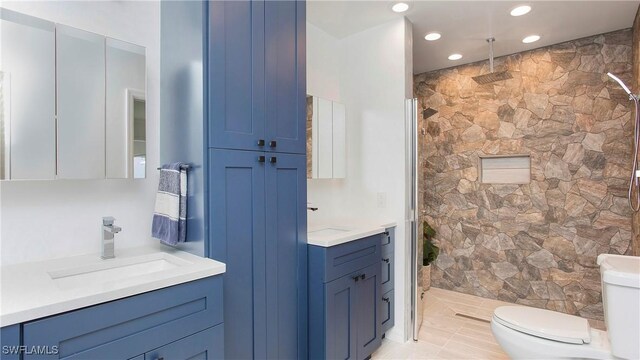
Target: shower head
<point>626,89</point>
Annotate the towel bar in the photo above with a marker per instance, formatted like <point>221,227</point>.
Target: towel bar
<point>186,167</point>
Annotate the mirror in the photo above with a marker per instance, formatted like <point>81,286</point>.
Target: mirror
<point>125,116</point>
<point>326,139</point>
<point>80,69</point>
<point>90,118</point>
<point>27,97</point>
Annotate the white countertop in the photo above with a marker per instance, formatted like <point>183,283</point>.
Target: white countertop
<point>34,290</point>
<point>339,231</point>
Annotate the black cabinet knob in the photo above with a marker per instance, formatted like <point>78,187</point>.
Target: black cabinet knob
<point>386,233</point>
<point>273,160</point>
<point>273,143</point>
<point>356,278</point>
<point>386,260</point>
<point>261,158</point>
<point>385,299</point>
<point>363,276</point>
<point>261,142</point>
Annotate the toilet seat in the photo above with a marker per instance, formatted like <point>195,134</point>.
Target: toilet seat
<point>545,324</point>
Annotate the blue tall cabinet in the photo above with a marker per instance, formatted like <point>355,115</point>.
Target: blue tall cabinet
<point>256,176</point>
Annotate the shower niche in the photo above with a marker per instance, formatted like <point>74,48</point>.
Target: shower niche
<point>505,169</point>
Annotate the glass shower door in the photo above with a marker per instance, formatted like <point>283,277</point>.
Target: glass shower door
<point>417,293</point>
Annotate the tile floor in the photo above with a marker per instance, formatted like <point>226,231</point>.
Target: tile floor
<point>445,335</point>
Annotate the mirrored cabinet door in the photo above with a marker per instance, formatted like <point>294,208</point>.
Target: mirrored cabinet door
<point>27,97</point>
<point>80,67</point>
<point>326,140</point>
<point>125,118</point>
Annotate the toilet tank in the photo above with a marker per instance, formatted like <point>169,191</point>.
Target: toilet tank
<point>621,300</point>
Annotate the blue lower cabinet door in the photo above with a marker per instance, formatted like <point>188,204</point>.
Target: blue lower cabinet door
<point>387,272</point>
<point>237,238</point>
<point>386,311</point>
<point>10,341</point>
<point>369,328</point>
<point>341,318</point>
<point>205,345</point>
<point>286,256</point>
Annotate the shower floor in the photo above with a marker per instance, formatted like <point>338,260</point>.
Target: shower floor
<point>455,326</point>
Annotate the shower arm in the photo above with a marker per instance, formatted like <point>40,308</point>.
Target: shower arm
<point>632,96</point>
<point>490,41</point>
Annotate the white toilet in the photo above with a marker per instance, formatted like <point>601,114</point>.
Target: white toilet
<point>531,333</point>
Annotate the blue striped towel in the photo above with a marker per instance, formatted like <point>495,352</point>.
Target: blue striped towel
<point>170,214</point>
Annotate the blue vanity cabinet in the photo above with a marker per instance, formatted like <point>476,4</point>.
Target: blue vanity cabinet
<point>257,226</point>
<point>257,75</point>
<point>129,328</point>
<point>386,301</point>
<point>344,293</point>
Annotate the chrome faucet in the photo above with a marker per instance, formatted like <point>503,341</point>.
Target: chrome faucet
<point>108,233</point>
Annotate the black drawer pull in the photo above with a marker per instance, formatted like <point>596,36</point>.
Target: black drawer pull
<point>363,276</point>
<point>261,158</point>
<point>273,160</point>
<point>386,260</point>
<point>385,299</point>
<point>261,142</point>
<point>356,278</point>
<point>386,233</point>
<point>272,143</point>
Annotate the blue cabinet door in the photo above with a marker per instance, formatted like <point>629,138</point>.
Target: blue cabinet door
<point>285,76</point>
<point>369,328</point>
<point>205,345</point>
<point>10,341</point>
<point>237,238</point>
<point>286,256</point>
<point>235,75</point>
<point>341,318</point>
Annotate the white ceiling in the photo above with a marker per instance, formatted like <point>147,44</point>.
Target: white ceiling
<point>465,25</point>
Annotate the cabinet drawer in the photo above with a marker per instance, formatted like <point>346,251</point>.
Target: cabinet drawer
<point>337,261</point>
<point>125,328</point>
<point>388,240</point>
<point>387,272</point>
<point>386,311</point>
<point>205,345</point>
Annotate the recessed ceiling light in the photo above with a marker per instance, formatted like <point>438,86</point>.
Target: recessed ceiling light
<point>400,7</point>
<point>531,38</point>
<point>520,10</point>
<point>455,57</point>
<point>432,36</point>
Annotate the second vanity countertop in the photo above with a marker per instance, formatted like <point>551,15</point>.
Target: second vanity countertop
<point>335,232</point>
<point>34,290</point>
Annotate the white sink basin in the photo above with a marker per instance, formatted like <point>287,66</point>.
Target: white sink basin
<point>115,270</point>
<point>328,232</point>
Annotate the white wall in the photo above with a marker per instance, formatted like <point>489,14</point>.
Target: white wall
<point>49,219</point>
<point>372,85</point>
<point>323,64</point>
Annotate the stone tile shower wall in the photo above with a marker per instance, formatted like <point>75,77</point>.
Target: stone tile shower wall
<point>534,244</point>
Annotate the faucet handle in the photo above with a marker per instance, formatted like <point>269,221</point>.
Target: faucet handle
<point>108,220</point>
